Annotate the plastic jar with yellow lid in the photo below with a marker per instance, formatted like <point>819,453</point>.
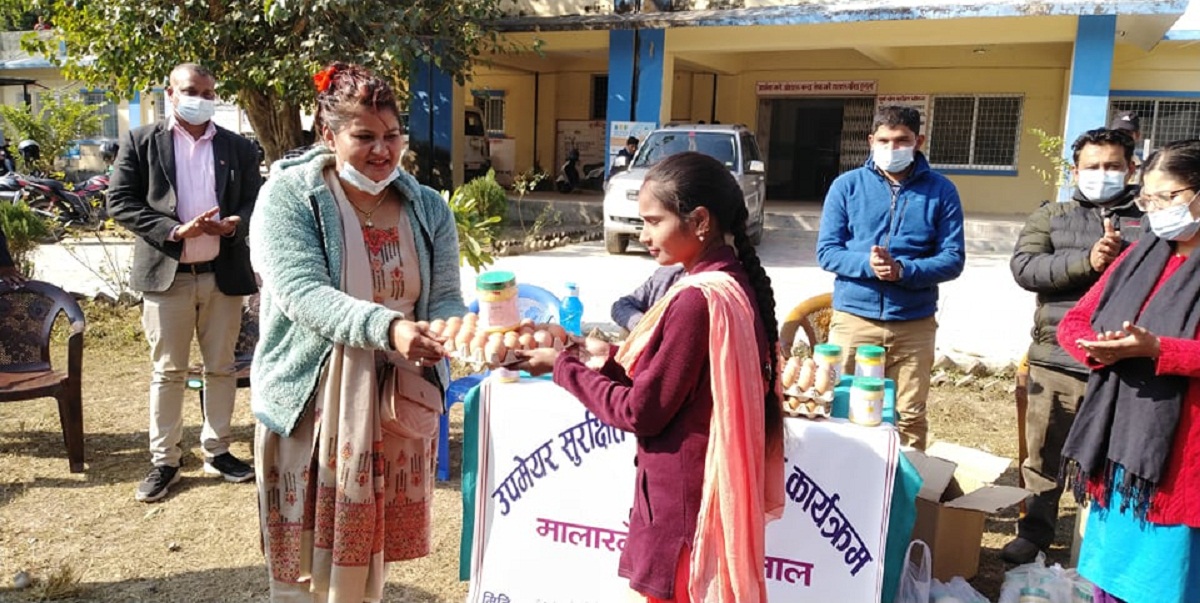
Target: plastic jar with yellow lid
<point>866,401</point>
<point>868,361</point>
<point>829,356</point>
<point>497,295</point>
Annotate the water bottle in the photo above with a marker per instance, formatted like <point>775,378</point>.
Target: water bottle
<point>570,314</point>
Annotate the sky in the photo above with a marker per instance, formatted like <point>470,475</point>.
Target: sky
<point>1190,19</point>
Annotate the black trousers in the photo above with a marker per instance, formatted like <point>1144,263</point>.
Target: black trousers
<point>1054,396</point>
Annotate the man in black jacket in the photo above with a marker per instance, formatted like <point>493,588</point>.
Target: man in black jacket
<point>185,188</point>
<point>1062,251</point>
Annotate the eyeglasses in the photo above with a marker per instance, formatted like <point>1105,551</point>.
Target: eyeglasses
<point>1161,200</point>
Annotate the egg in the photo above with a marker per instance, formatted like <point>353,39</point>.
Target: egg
<point>453,326</point>
<point>494,352</point>
<point>557,332</point>
<point>807,374</point>
<point>436,327</point>
<point>495,336</point>
<point>471,317</point>
<point>525,340</point>
<point>511,340</point>
<point>790,370</point>
<point>543,339</point>
<point>477,344</point>
<point>527,323</point>
<point>824,379</point>
<point>463,338</point>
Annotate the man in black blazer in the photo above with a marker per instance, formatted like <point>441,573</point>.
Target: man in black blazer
<point>186,188</point>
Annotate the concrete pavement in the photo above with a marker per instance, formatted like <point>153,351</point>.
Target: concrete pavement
<point>982,313</point>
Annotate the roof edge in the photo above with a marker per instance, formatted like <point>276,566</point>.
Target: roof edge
<point>842,12</point>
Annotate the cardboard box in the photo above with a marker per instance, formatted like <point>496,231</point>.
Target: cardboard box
<point>957,493</point>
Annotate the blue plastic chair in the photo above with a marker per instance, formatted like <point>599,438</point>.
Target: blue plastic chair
<point>535,303</point>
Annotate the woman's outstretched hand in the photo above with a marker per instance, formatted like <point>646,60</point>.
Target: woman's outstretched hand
<point>1113,346</point>
<point>535,362</point>
<point>416,343</point>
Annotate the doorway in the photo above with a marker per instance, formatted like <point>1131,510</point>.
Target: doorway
<point>810,141</point>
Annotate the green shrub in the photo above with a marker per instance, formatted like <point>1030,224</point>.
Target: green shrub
<point>490,199</point>
<point>24,230</point>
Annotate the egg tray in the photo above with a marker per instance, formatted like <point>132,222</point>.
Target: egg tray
<point>478,361</point>
<point>809,404</point>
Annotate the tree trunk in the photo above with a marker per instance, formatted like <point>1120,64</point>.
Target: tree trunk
<point>276,121</point>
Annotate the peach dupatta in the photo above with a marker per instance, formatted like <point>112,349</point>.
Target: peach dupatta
<point>743,482</point>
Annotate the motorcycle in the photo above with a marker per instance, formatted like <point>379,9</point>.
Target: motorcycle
<point>83,206</point>
<point>593,176</point>
<point>568,175</point>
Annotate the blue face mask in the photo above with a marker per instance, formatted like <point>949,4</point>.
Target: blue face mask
<point>894,160</point>
<point>1174,223</point>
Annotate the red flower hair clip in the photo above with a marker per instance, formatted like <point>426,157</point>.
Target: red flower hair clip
<point>324,78</point>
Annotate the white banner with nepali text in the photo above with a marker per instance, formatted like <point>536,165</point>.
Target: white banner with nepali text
<point>555,486</point>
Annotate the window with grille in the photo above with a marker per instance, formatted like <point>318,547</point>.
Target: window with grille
<point>1162,120</point>
<point>107,110</point>
<point>975,132</point>
<point>491,103</point>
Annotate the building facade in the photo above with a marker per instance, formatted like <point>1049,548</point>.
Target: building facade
<point>807,76</point>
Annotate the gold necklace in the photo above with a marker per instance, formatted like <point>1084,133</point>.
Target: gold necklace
<point>367,214</point>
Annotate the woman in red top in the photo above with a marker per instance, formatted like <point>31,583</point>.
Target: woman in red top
<point>678,394</point>
<point>1134,448</point>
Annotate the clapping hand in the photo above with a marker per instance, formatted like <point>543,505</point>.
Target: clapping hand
<point>207,223</point>
<point>885,267</point>
<point>1111,347</point>
<point>1107,248</point>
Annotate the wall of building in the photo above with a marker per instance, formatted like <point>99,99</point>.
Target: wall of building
<point>1171,66</point>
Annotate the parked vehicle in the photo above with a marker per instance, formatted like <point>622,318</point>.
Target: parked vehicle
<point>568,175</point>
<point>733,145</point>
<point>476,150</point>
<point>82,206</point>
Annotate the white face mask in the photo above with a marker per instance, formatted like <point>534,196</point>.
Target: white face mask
<point>360,181</point>
<point>1174,223</point>
<point>194,109</point>
<point>892,160</point>
<point>1100,185</point>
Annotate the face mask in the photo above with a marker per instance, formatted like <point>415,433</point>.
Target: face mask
<point>1174,223</point>
<point>360,181</point>
<point>1100,185</point>
<point>892,160</point>
<point>194,109</point>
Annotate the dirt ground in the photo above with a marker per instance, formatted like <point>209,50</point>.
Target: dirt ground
<point>82,537</point>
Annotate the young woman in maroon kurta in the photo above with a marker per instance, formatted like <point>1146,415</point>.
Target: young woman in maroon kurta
<point>691,207</point>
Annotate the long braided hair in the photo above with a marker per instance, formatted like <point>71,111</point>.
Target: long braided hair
<point>686,181</point>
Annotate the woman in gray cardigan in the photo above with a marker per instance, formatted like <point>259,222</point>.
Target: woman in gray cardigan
<point>355,257</point>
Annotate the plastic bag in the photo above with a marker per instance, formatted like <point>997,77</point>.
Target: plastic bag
<point>916,579</point>
<point>1054,584</point>
<point>957,590</point>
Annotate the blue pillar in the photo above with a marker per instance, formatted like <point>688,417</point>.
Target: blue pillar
<point>135,112</point>
<point>635,76</point>
<point>431,123</point>
<point>1091,80</point>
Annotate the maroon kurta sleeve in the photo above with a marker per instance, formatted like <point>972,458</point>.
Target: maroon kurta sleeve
<point>671,369</point>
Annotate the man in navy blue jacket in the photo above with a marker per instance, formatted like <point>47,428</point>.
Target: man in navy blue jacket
<point>892,230</point>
